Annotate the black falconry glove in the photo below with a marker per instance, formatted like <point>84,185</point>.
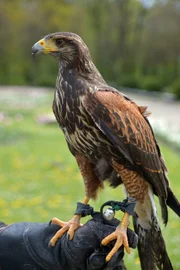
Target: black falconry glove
<point>24,246</point>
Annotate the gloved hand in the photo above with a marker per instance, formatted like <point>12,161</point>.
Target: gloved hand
<point>24,246</point>
<point>85,250</point>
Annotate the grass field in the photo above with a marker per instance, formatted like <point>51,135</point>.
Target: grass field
<point>39,178</point>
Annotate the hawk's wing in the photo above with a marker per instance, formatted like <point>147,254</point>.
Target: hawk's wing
<point>124,124</point>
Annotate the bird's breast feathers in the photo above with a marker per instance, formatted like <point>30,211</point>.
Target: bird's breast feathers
<point>77,125</point>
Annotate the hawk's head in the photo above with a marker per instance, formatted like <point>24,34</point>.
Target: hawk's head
<point>65,46</point>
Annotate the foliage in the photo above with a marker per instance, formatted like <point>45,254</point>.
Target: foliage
<point>151,83</point>
<point>175,88</point>
<point>130,80</point>
<point>125,37</point>
<point>39,177</point>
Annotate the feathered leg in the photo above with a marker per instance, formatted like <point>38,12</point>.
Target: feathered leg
<point>137,188</point>
<point>151,245</point>
<point>92,183</point>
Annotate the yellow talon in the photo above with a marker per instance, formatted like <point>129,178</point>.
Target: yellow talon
<point>120,234</point>
<point>68,227</point>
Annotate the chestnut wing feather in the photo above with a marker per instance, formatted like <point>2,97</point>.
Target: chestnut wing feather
<point>124,124</point>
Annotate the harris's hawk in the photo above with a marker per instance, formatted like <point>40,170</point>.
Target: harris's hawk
<point>110,138</point>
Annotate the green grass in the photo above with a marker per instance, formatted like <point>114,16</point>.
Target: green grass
<point>39,177</point>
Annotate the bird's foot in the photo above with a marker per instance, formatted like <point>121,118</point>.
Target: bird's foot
<point>69,226</point>
<point>120,235</point>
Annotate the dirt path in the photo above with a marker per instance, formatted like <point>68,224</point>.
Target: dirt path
<point>161,108</point>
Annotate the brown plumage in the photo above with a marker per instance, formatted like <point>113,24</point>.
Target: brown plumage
<point>111,138</point>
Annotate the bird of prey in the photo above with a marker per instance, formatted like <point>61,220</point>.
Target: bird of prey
<point>110,138</point>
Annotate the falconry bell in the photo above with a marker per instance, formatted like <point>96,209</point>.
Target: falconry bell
<point>109,214</point>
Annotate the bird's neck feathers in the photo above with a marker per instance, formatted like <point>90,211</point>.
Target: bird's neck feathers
<point>82,66</point>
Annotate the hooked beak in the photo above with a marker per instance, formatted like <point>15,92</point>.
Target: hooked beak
<point>44,46</point>
<point>38,47</point>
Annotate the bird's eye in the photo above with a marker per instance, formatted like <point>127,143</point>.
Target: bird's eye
<point>59,42</point>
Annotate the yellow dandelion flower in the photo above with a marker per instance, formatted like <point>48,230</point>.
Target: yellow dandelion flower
<point>137,261</point>
<point>2,203</point>
<point>17,163</point>
<point>34,201</point>
<point>18,203</point>
<point>5,212</point>
<point>41,211</point>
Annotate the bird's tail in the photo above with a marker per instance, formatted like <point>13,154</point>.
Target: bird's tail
<point>173,202</point>
<point>151,245</point>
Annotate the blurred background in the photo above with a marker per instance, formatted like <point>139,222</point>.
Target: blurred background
<point>136,46</point>
<point>135,43</point>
